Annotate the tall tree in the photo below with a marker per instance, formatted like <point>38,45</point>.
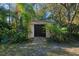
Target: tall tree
<point>72,9</point>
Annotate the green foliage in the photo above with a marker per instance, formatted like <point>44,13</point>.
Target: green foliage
<point>11,36</point>
<point>73,28</point>
<point>64,30</point>
<point>4,36</point>
<point>3,13</point>
<point>3,25</point>
<point>4,28</point>
<point>57,32</point>
<point>60,13</point>
<point>20,37</point>
<point>63,34</point>
<point>9,33</point>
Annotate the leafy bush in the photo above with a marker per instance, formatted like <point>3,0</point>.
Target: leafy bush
<point>20,37</point>
<point>57,32</point>
<point>73,28</point>
<point>11,36</point>
<point>63,34</point>
<point>4,35</point>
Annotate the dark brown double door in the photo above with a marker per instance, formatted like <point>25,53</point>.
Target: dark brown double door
<point>39,30</point>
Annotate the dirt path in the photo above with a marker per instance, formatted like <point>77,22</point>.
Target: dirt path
<point>38,47</point>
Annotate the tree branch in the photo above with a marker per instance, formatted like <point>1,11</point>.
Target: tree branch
<point>74,13</point>
<point>64,5</point>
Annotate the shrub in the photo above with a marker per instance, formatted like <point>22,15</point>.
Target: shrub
<point>20,37</point>
<point>4,38</point>
<point>11,36</point>
<point>57,32</point>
